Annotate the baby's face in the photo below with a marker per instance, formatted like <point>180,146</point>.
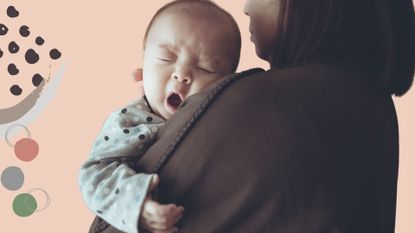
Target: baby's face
<point>183,55</point>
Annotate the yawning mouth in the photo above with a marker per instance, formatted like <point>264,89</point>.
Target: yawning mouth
<point>173,101</point>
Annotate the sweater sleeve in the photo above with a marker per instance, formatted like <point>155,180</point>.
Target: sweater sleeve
<point>110,187</point>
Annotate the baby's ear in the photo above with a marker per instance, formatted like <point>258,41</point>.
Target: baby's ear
<point>138,75</point>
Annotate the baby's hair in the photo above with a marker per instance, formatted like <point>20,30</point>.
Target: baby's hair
<point>206,3</point>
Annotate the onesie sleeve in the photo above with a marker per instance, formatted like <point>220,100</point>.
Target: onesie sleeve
<point>109,186</point>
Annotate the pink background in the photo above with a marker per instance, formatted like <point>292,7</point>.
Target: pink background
<point>101,45</point>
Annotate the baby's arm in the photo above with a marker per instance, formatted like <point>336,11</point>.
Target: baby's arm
<point>115,193</point>
<point>111,189</point>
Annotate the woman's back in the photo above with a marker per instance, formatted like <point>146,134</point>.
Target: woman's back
<point>357,129</point>
<point>307,149</point>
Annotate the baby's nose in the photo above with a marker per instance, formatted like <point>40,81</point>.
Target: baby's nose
<point>183,78</point>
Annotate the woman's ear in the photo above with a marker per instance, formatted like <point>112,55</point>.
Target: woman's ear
<point>138,75</point>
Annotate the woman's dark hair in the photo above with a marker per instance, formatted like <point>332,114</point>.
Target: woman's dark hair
<point>375,35</point>
<point>205,3</point>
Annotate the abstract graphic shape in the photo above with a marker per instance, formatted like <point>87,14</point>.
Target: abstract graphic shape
<point>12,12</point>
<point>32,103</point>
<point>30,107</point>
<point>39,40</point>
<point>16,90</point>
<point>46,197</point>
<point>12,178</point>
<point>19,110</point>
<point>3,29</point>
<point>25,149</point>
<point>55,54</point>
<point>25,204</point>
<point>12,69</point>
<point>13,47</point>
<point>31,56</point>
<point>37,79</point>
<point>24,31</point>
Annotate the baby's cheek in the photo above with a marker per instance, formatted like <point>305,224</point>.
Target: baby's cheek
<point>197,88</point>
<point>151,90</point>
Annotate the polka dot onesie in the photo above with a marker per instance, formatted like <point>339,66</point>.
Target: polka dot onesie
<point>110,187</point>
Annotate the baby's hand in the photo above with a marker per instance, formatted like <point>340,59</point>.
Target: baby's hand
<point>159,218</point>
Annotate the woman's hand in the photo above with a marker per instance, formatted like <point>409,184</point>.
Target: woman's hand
<point>158,218</point>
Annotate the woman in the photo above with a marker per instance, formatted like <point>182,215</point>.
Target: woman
<point>310,145</point>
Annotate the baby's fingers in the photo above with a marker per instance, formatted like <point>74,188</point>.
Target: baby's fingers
<point>172,230</point>
<point>167,231</point>
<point>167,215</point>
<point>157,224</point>
<point>157,227</point>
<point>154,208</point>
<point>160,223</point>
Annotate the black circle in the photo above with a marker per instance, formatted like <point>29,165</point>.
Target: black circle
<point>1,53</point>
<point>16,90</point>
<point>13,47</point>
<point>12,69</point>
<point>149,119</point>
<point>124,110</point>
<point>37,79</point>
<point>54,54</point>
<point>126,131</point>
<point>141,137</point>
<point>31,56</point>
<point>39,40</point>
<point>24,31</point>
<point>106,138</point>
<point>12,12</point>
<point>3,29</point>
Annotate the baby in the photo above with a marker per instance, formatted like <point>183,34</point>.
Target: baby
<point>188,45</point>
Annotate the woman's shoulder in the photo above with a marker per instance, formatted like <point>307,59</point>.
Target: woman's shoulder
<point>316,91</point>
<point>317,73</point>
<point>306,81</point>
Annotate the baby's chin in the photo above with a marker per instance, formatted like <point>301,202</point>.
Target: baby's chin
<point>165,115</point>
<point>161,111</point>
<point>167,112</point>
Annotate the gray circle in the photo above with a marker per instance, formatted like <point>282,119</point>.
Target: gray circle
<point>12,178</point>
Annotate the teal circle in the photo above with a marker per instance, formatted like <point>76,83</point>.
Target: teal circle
<point>24,205</point>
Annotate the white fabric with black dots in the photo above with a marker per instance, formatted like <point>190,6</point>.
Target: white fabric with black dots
<point>110,187</point>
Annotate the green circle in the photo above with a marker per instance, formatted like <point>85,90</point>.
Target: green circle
<point>24,205</point>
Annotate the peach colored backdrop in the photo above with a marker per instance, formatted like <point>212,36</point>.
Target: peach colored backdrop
<point>101,45</point>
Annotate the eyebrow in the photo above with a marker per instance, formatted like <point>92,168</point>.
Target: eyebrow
<point>166,46</point>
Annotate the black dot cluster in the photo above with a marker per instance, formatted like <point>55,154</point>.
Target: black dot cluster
<point>31,56</point>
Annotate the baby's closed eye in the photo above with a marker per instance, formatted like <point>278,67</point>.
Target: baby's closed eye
<point>165,56</point>
<point>206,70</point>
<point>165,59</point>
